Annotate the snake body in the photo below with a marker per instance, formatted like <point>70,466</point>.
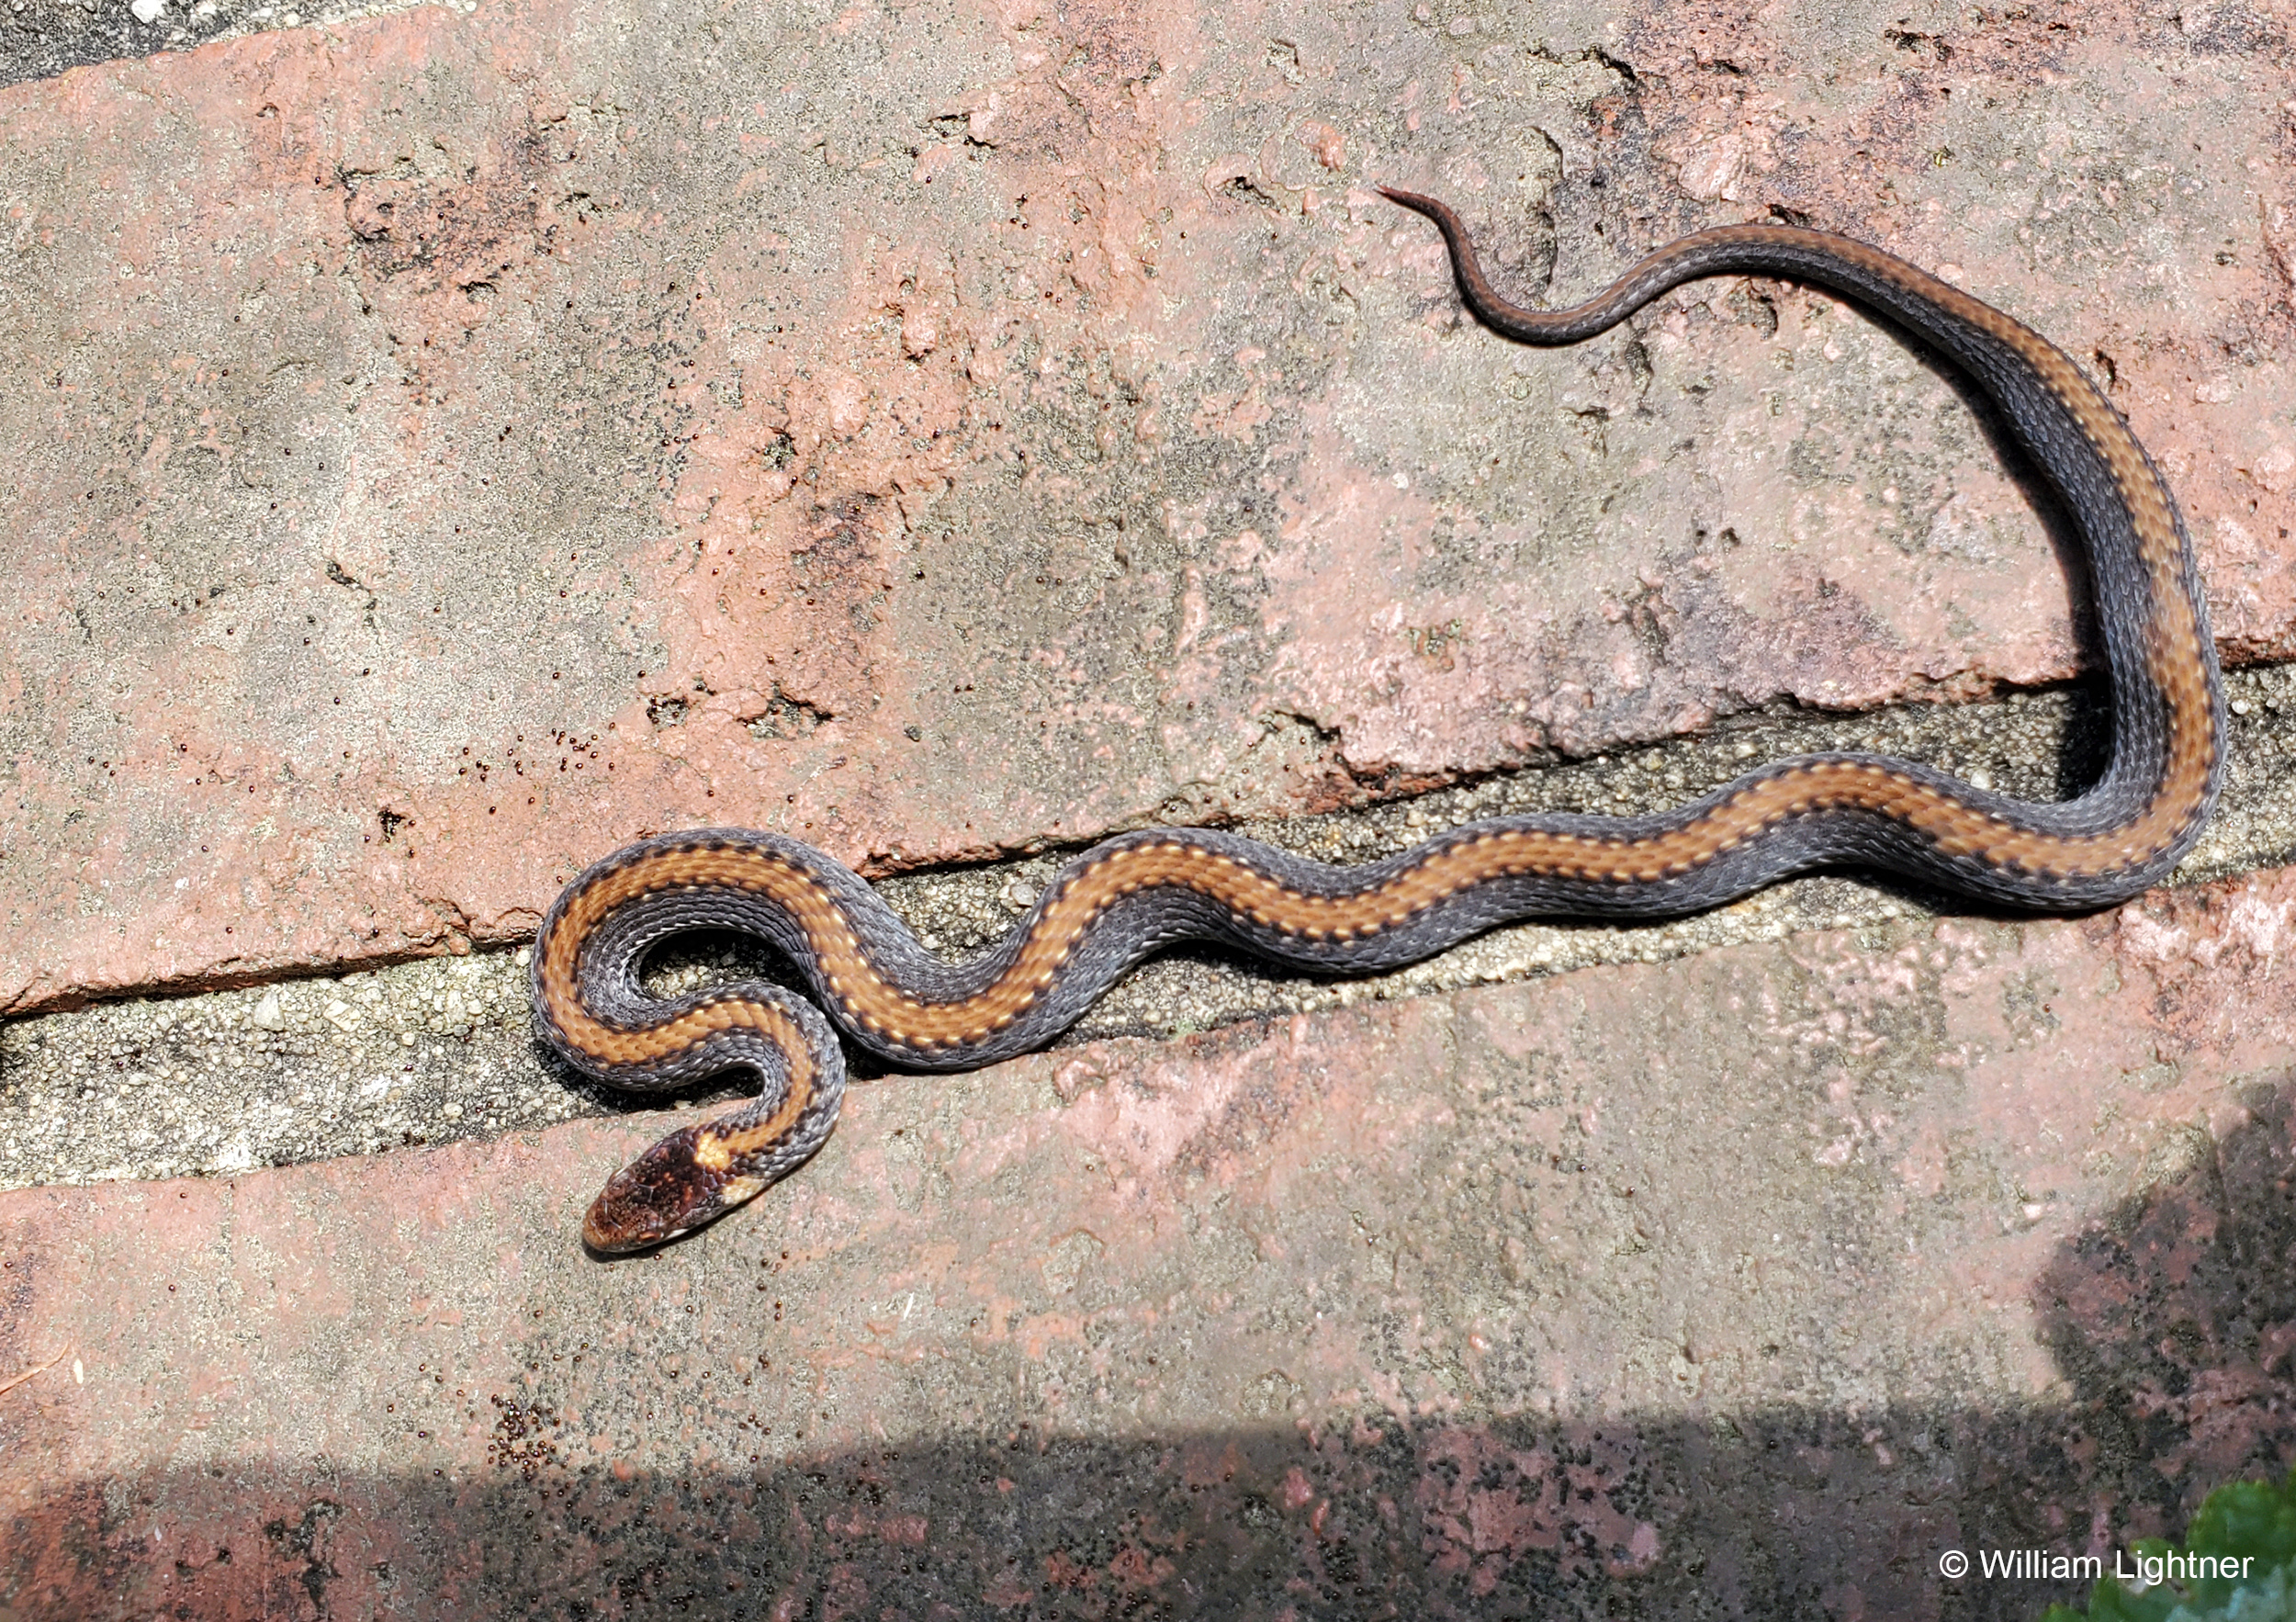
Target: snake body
<point>1133,895</point>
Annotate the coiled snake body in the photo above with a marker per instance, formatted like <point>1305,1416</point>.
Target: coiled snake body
<point>1130,895</point>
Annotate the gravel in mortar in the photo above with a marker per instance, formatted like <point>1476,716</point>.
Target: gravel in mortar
<point>430,1051</point>
<point>39,39</point>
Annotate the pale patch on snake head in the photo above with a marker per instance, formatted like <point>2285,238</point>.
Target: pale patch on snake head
<point>667,1191</point>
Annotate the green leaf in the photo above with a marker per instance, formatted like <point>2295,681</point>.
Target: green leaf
<point>2255,1521</point>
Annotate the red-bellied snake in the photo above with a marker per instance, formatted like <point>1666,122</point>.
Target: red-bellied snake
<point>1130,895</point>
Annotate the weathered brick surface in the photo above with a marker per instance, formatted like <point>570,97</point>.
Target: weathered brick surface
<point>1742,1285</point>
<point>444,446</point>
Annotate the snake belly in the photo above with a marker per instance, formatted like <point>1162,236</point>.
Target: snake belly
<point>1133,895</point>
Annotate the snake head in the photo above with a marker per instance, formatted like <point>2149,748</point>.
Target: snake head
<point>667,1191</point>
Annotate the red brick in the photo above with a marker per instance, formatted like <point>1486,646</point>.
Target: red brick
<point>591,285</point>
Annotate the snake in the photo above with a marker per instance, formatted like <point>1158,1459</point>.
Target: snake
<point>1128,897</point>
